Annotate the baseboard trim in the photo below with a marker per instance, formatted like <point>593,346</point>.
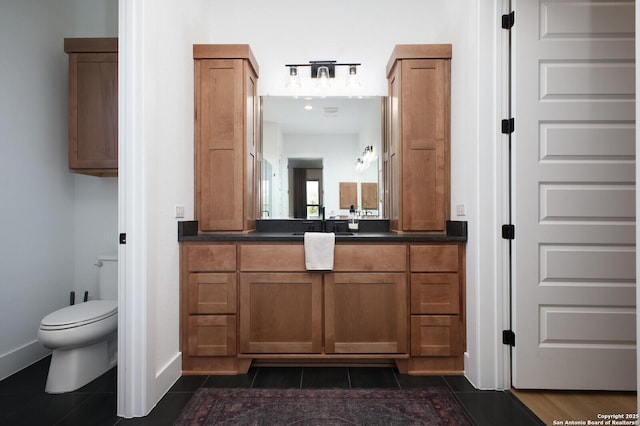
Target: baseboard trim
<point>167,376</point>
<point>20,358</point>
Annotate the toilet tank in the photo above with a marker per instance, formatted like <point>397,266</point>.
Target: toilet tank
<point>108,277</point>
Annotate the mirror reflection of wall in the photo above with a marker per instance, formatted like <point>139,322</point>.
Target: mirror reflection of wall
<point>333,132</point>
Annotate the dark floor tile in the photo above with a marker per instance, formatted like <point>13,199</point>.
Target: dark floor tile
<point>165,413</point>
<point>29,380</point>
<point>188,384</point>
<point>41,409</point>
<point>496,408</point>
<point>98,410</point>
<point>239,381</point>
<point>406,381</point>
<point>459,384</point>
<point>278,378</point>
<point>108,382</point>
<point>325,378</point>
<point>372,377</point>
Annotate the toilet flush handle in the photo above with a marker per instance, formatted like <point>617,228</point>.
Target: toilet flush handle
<point>98,264</point>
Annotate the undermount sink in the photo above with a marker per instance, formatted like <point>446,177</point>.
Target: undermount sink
<point>337,233</point>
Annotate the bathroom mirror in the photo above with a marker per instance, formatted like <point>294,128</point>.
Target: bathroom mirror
<point>313,146</point>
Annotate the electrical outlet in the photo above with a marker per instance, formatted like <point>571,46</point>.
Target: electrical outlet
<point>179,212</point>
<point>460,210</point>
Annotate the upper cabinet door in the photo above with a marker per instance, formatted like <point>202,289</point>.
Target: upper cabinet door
<point>93,106</point>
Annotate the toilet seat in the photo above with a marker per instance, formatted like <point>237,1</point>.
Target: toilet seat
<point>80,314</point>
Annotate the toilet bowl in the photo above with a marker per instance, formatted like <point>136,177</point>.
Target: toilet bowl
<point>83,337</point>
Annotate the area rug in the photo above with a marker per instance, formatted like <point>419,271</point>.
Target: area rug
<point>387,407</point>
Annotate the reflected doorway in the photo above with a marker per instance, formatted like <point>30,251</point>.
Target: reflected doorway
<point>305,181</point>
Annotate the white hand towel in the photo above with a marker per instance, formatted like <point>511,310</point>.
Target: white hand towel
<point>318,250</point>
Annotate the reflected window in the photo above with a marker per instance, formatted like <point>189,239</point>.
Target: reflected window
<point>313,199</point>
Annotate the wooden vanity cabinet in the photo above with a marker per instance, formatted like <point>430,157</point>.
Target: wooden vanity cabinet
<point>226,137</point>
<point>93,105</point>
<point>209,308</point>
<point>437,308</point>
<point>416,160</point>
<point>382,302</point>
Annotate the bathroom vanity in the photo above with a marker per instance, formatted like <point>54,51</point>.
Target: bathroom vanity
<point>396,291</point>
<point>390,297</point>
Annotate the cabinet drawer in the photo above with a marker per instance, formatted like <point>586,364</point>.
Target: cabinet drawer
<point>370,258</point>
<point>272,257</point>
<point>212,293</point>
<point>434,258</point>
<point>212,335</point>
<point>436,335</point>
<point>435,294</point>
<point>209,258</point>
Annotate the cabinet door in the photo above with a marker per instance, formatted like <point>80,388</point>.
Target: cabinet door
<point>280,313</point>
<point>425,134</point>
<point>219,141</point>
<point>93,112</point>
<point>365,313</point>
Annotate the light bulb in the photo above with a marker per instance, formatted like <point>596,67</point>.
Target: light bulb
<point>294,79</point>
<point>352,78</point>
<point>323,77</point>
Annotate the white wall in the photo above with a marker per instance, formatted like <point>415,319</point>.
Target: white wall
<point>358,30</point>
<point>44,209</point>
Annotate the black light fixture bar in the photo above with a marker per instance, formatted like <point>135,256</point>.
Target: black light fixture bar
<point>331,66</point>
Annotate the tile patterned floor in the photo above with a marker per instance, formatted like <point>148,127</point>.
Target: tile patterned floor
<point>24,402</point>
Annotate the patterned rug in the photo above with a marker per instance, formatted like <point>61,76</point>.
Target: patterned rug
<point>386,407</point>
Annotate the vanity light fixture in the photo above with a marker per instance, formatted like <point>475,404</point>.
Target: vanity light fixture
<point>323,71</point>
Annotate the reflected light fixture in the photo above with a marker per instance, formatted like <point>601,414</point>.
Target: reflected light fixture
<point>323,71</point>
<point>368,156</point>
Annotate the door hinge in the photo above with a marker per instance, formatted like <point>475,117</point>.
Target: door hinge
<point>508,126</point>
<point>508,232</point>
<point>508,20</point>
<point>123,238</point>
<point>508,338</point>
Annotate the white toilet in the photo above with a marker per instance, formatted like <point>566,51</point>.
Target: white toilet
<point>83,336</point>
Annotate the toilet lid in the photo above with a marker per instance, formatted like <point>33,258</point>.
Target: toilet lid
<point>80,314</point>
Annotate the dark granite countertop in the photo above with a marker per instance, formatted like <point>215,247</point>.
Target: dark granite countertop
<point>188,231</point>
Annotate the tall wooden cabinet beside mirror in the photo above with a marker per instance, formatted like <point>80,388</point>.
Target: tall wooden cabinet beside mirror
<point>93,105</point>
<point>416,161</point>
<point>226,137</point>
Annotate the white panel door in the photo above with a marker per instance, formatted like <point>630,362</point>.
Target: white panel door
<point>574,195</point>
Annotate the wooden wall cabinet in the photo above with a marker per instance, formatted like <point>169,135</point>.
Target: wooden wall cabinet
<point>227,144</point>
<point>416,158</point>
<point>93,105</point>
